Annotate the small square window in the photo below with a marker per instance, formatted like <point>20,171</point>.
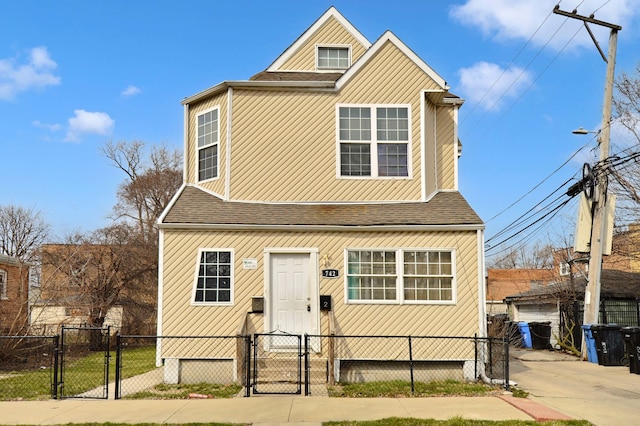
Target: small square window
<point>333,58</point>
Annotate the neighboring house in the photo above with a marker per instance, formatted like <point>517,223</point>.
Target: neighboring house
<point>67,295</point>
<point>14,295</point>
<point>562,304</point>
<point>505,282</point>
<point>331,175</point>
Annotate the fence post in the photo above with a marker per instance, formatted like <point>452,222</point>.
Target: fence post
<point>56,356</point>
<point>247,359</point>
<point>475,355</point>
<point>117,383</point>
<point>506,363</point>
<point>411,366</point>
<point>306,364</point>
<point>332,376</point>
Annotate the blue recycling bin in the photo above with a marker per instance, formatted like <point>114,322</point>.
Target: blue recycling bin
<point>526,334</point>
<point>590,341</point>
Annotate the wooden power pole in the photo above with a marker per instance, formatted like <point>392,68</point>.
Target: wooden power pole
<point>598,225</point>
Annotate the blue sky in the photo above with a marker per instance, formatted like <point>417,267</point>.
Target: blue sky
<point>76,74</point>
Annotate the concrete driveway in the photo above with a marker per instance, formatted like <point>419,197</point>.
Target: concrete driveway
<point>580,389</point>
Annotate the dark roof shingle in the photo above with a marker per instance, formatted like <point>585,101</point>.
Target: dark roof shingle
<point>194,206</point>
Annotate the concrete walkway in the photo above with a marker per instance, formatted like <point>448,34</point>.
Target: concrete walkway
<point>560,387</point>
<point>310,411</point>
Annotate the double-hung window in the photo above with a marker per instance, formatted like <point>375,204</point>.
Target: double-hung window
<point>400,276</point>
<point>374,141</point>
<point>214,277</point>
<point>3,284</point>
<point>208,132</point>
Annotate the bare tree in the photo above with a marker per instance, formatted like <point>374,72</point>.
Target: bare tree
<point>22,231</point>
<point>152,180</point>
<point>537,256</point>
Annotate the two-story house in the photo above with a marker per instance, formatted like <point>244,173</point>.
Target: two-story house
<point>14,295</point>
<point>333,175</point>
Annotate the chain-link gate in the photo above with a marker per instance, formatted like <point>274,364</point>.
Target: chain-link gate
<point>87,349</point>
<point>277,364</point>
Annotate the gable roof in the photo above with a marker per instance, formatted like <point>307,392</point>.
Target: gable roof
<point>332,12</point>
<point>195,207</point>
<point>388,36</point>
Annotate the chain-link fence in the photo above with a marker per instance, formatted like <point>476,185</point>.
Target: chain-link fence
<point>408,359</point>
<point>157,366</point>
<point>28,367</point>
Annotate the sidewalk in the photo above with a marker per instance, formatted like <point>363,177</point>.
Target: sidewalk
<point>263,411</point>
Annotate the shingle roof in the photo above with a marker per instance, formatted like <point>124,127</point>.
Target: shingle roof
<point>296,76</point>
<point>195,206</point>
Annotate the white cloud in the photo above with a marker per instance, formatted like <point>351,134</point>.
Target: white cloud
<point>131,90</point>
<point>86,122</point>
<point>36,72</point>
<point>50,127</point>
<point>520,19</point>
<point>489,85</point>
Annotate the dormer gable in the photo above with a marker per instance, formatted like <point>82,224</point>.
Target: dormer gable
<point>331,44</point>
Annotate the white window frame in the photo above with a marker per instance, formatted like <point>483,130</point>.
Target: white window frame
<point>373,142</point>
<point>215,143</point>
<point>565,268</point>
<point>400,275</point>
<point>3,284</point>
<point>346,47</point>
<point>197,273</point>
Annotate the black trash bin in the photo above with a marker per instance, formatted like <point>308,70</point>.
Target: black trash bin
<point>609,344</point>
<point>631,336</point>
<point>540,335</point>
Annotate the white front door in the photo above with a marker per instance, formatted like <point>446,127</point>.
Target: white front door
<point>290,296</point>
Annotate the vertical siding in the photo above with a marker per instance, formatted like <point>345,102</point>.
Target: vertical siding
<point>332,32</point>
<point>294,133</point>
<point>181,249</point>
<point>191,155</point>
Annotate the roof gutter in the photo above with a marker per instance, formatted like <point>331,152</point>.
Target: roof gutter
<point>323,228</point>
<point>251,84</point>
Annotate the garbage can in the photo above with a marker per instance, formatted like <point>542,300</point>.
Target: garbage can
<point>592,354</point>
<point>609,344</point>
<point>631,336</point>
<point>526,334</point>
<point>540,335</point>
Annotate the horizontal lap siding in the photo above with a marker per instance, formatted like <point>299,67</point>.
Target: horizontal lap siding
<point>447,148</point>
<point>294,133</point>
<point>181,249</point>
<point>191,156</point>
<point>332,32</point>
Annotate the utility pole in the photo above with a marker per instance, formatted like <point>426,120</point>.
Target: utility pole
<point>598,228</point>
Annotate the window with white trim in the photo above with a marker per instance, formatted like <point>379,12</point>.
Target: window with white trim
<point>3,284</point>
<point>374,141</point>
<point>400,276</point>
<point>565,269</point>
<point>214,277</point>
<point>333,57</point>
<point>208,131</point>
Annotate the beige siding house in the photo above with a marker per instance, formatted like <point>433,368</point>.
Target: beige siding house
<point>332,173</point>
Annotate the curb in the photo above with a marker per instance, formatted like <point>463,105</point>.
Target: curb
<point>534,409</point>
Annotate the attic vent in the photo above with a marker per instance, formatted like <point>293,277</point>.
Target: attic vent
<point>333,57</point>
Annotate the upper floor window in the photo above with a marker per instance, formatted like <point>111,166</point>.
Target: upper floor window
<point>374,141</point>
<point>333,57</point>
<point>3,284</point>
<point>214,278</point>
<point>400,276</point>
<point>565,269</point>
<point>208,137</point>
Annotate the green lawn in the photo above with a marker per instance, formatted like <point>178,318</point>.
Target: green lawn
<point>80,375</point>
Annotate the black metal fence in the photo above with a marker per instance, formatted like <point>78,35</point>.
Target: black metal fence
<point>246,364</point>
<point>29,367</point>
